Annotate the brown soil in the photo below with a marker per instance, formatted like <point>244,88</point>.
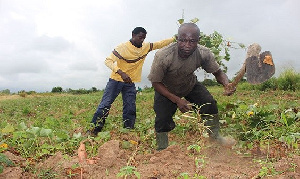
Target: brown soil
<point>214,162</point>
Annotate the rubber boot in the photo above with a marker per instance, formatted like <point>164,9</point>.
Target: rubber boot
<point>212,122</point>
<point>162,140</point>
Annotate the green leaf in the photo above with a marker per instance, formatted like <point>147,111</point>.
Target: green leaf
<point>104,135</point>
<point>77,135</point>
<point>298,115</point>
<point>180,21</point>
<point>195,20</point>
<point>22,126</point>
<point>34,130</point>
<point>126,145</point>
<point>8,129</point>
<point>45,132</point>
<point>241,45</point>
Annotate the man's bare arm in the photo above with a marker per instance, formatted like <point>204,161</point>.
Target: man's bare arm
<point>222,78</point>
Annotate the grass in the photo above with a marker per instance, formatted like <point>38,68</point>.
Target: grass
<point>39,125</point>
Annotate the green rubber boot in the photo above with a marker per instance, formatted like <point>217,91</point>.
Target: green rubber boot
<point>212,121</point>
<point>162,140</point>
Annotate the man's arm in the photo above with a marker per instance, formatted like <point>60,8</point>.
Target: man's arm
<point>182,104</point>
<point>222,78</point>
<point>162,43</point>
<point>110,62</point>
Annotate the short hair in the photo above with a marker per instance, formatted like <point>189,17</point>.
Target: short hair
<point>137,30</point>
<point>189,25</point>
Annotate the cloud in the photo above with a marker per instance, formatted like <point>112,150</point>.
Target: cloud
<point>64,43</point>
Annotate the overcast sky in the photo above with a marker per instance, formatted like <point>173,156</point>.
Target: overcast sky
<point>48,43</point>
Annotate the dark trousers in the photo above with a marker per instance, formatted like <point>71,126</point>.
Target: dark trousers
<point>165,109</point>
<point>112,90</point>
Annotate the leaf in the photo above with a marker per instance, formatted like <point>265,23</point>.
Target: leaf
<point>241,45</point>
<point>126,145</point>
<point>77,135</point>
<point>133,142</point>
<point>22,126</point>
<point>45,132</point>
<point>34,130</point>
<point>195,20</point>
<point>104,135</point>
<point>8,129</point>
<point>180,21</point>
<point>298,115</point>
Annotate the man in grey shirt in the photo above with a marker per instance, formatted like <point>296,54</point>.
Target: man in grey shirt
<point>176,86</point>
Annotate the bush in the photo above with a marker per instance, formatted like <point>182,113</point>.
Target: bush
<point>210,82</point>
<point>57,89</point>
<point>269,84</point>
<point>289,80</point>
<point>6,91</point>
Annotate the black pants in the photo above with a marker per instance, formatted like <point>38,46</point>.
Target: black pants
<point>165,109</point>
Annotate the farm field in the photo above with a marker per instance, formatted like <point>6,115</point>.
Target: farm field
<point>40,135</point>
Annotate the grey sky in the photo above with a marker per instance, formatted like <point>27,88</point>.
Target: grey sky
<point>64,43</point>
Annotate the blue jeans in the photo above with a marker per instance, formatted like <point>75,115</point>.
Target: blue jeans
<point>112,90</point>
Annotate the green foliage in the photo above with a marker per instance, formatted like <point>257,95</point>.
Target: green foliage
<point>4,161</point>
<point>57,89</point>
<point>267,169</point>
<point>47,174</point>
<point>128,171</point>
<point>43,125</point>
<point>6,92</point>
<point>210,82</point>
<point>187,176</point>
<point>289,80</point>
<point>218,45</point>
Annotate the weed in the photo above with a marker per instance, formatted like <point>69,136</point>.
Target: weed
<point>128,171</point>
<point>4,161</point>
<point>47,174</point>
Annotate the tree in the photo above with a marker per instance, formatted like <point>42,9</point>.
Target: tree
<point>218,45</point>
<point>6,91</point>
<point>57,89</point>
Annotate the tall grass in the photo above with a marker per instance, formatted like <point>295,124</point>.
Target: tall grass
<point>289,80</point>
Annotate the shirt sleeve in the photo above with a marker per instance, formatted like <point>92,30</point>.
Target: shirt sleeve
<point>111,62</point>
<point>157,70</point>
<point>209,63</point>
<point>162,43</point>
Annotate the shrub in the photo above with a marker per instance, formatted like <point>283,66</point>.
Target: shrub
<point>269,84</point>
<point>57,89</point>
<point>210,82</point>
<point>289,80</point>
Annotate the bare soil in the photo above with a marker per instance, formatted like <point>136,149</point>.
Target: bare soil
<point>214,161</point>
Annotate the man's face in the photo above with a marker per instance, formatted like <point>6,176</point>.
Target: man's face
<point>138,39</point>
<point>187,42</point>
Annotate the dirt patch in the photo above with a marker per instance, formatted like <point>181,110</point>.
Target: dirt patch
<point>212,161</point>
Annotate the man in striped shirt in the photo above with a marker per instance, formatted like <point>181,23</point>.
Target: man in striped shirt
<point>126,62</point>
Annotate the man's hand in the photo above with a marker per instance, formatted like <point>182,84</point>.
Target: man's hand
<point>124,76</point>
<point>229,89</point>
<point>183,105</point>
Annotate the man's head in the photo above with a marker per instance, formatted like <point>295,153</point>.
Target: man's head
<point>138,36</point>
<point>187,39</point>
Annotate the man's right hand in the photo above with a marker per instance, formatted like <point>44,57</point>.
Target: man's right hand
<point>124,76</point>
<point>183,105</point>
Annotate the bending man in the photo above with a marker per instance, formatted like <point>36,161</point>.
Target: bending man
<point>176,86</point>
